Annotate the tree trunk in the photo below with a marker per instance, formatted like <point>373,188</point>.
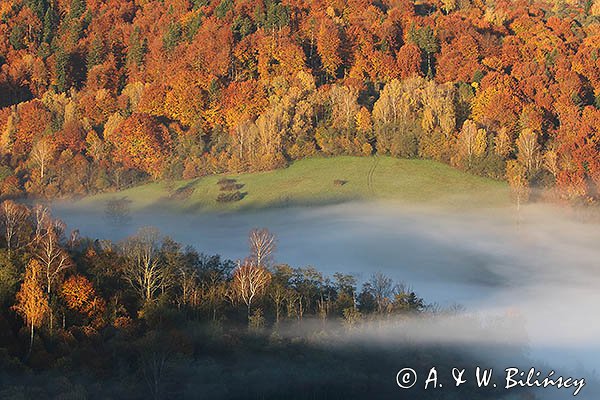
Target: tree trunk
<point>518,210</point>
<point>30,342</point>
<point>429,72</point>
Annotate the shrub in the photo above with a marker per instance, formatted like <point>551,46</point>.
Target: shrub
<point>182,193</point>
<point>490,165</point>
<point>228,197</point>
<point>228,184</point>
<point>231,186</point>
<point>226,181</point>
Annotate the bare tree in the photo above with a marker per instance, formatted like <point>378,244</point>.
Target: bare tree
<point>144,270</point>
<point>278,294</point>
<point>214,294</point>
<point>41,217</point>
<point>291,298</point>
<point>12,219</point>
<point>382,290</point>
<point>188,284</point>
<point>53,258</point>
<point>262,246</point>
<point>249,282</point>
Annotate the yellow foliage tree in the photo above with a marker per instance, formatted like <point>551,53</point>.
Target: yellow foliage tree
<point>32,303</point>
<point>529,149</point>
<point>503,143</point>
<point>472,141</point>
<point>516,176</point>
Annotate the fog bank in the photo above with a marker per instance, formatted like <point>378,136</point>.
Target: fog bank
<point>541,266</point>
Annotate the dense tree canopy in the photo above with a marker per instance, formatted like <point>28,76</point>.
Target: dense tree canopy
<point>125,90</point>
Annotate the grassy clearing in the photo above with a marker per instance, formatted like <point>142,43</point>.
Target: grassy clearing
<point>317,181</point>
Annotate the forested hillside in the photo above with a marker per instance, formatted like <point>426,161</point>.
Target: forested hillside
<point>99,95</point>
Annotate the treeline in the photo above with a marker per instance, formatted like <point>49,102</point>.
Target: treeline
<point>100,95</point>
<point>56,286</point>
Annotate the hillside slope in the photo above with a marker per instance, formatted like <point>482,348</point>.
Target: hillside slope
<point>312,182</point>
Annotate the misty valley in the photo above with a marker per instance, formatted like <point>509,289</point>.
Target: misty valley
<point>136,296</point>
<point>493,282</point>
<point>299,200</point>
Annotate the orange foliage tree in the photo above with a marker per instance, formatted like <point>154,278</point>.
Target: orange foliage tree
<point>141,142</point>
<point>31,301</point>
<point>80,296</point>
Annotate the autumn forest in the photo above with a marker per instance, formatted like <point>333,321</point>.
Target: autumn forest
<point>101,96</point>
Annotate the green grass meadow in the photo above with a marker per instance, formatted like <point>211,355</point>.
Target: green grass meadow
<point>311,182</point>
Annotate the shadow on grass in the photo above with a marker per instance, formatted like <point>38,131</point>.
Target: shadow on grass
<point>183,192</point>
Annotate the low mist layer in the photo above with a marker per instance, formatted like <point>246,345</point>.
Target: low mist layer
<point>539,266</point>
